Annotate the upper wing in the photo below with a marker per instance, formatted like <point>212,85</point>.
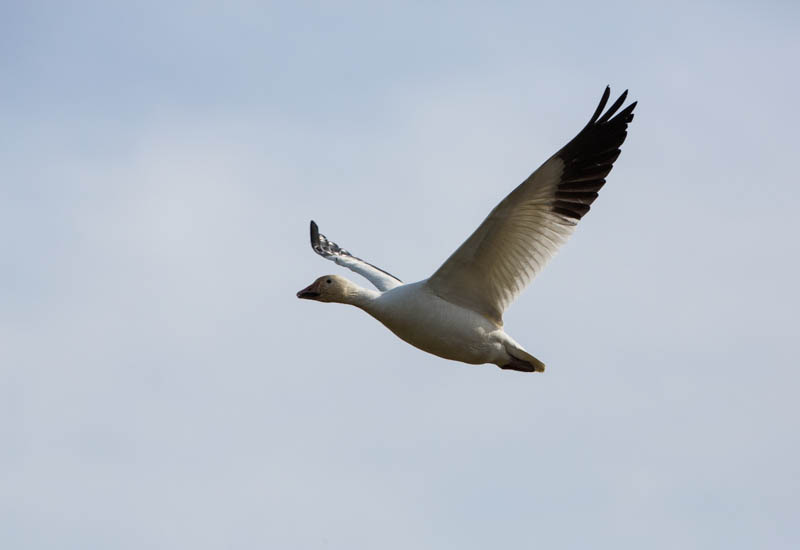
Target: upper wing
<point>526,229</point>
<point>332,251</point>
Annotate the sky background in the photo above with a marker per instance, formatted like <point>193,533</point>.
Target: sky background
<point>162,387</point>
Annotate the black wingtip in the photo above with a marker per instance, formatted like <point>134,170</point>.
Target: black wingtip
<point>601,105</point>
<point>590,156</point>
<point>613,109</point>
<point>314,233</point>
<point>626,115</point>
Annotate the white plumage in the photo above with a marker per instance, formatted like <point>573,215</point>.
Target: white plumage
<point>457,312</point>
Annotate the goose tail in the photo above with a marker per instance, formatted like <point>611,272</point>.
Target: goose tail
<point>522,361</point>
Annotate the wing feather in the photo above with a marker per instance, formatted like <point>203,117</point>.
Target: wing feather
<point>522,233</point>
<point>382,280</point>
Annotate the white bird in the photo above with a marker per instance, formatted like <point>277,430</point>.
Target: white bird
<point>457,313</point>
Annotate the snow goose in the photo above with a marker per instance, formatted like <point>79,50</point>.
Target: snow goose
<point>457,313</point>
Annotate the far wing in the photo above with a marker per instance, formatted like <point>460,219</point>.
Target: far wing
<point>332,251</point>
<point>516,240</point>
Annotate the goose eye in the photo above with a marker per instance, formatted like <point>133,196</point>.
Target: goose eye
<point>328,281</point>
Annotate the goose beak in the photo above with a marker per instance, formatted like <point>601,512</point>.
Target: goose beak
<point>310,292</point>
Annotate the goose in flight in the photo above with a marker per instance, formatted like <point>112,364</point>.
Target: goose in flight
<point>457,313</point>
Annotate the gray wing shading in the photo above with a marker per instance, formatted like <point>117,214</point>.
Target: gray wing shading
<point>522,233</point>
<point>332,251</point>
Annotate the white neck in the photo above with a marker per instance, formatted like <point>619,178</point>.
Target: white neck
<point>363,298</point>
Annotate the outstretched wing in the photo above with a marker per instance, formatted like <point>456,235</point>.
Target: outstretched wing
<point>526,229</point>
<point>332,251</point>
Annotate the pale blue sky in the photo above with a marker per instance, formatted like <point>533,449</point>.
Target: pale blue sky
<point>162,387</point>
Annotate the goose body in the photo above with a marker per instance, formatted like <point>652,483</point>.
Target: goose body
<point>457,312</point>
<point>420,317</point>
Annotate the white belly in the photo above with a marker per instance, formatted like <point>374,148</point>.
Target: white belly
<point>439,327</point>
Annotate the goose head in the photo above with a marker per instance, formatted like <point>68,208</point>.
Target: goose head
<point>328,288</point>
